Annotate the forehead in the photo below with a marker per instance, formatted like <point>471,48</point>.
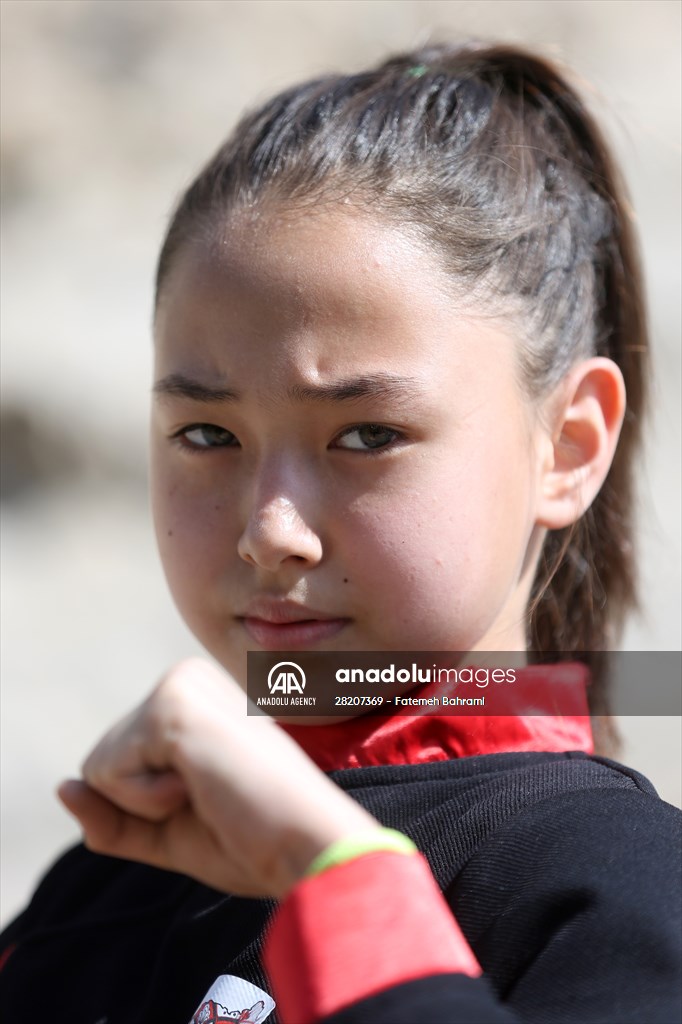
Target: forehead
<point>328,261</point>
<point>310,294</point>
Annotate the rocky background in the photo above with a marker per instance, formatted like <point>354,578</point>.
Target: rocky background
<point>108,107</point>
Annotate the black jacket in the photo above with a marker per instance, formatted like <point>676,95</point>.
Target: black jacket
<point>564,872</point>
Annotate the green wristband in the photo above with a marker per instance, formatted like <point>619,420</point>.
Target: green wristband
<point>358,844</point>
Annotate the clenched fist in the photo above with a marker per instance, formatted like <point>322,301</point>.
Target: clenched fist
<point>191,783</point>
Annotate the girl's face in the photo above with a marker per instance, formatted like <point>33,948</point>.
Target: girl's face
<point>342,457</point>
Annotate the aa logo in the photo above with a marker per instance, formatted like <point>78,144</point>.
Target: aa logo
<point>286,677</point>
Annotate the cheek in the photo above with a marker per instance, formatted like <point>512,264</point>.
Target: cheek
<point>414,578</point>
<point>406,550</point>
<point>453,542</point>
<point>192,530</point>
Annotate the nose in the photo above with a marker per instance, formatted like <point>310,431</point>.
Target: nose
<point>275,532</point>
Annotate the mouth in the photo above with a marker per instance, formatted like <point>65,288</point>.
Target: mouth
<point>283,625</point>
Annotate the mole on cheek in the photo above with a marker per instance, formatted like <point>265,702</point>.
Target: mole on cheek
<point>345,579</point>
<point>170,533</point>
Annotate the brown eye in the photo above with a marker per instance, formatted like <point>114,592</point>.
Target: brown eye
<point>205,435</point>
<point>367,437</point>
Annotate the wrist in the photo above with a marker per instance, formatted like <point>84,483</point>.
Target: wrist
<point>359,844</point>
<point>302,849</point>
<point>309,858</point>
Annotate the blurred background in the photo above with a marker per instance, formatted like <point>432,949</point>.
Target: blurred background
<point>108,109</point>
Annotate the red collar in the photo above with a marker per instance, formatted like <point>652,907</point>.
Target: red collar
<point>418,739</point>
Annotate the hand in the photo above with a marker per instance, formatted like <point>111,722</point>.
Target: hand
<point>191,783</point>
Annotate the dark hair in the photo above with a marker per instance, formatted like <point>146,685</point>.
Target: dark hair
<point>490,156</point>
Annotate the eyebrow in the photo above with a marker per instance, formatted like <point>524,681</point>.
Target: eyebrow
<point>385,386</point>
<point>373,385</point>
<point>177,385</point>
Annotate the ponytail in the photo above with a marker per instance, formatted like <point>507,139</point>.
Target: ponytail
<point>586,581</point>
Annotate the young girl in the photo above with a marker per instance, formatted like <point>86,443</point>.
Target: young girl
<point>397,318</point>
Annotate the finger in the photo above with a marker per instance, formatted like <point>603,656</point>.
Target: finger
<point>98,817</point>
<point>110,830</point>
<point>130,763</point>
<point>148,794</point>
<point>179,844</point>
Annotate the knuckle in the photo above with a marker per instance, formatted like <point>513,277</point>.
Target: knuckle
<point>171,705</point>
<point>92,771</point>
<point>182,678</point>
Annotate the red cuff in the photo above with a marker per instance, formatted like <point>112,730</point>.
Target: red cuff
<point>359,928</point>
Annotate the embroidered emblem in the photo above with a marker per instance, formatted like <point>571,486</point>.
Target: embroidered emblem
<point>232,1000</point>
